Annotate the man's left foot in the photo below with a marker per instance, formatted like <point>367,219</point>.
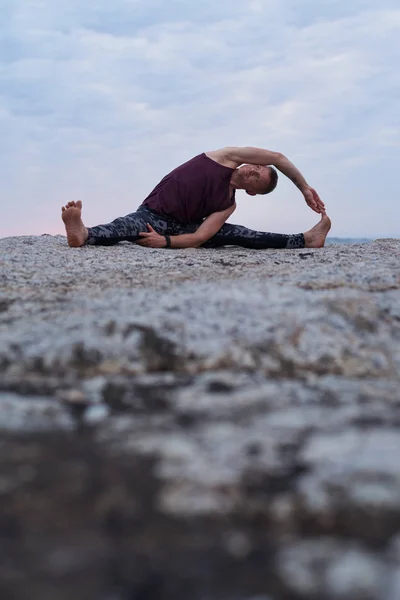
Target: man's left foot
<point>315,238</point>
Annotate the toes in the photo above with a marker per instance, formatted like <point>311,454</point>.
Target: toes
<point>72,204</point>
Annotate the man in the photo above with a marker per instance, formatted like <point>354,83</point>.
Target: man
<point>190,206</point>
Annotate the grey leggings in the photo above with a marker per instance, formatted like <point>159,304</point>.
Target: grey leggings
<point>128,229</point>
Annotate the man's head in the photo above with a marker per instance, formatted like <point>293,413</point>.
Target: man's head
<point>256,179</point>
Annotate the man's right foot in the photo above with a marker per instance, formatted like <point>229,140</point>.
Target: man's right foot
<point>315,238</point>
<point>77,233</point>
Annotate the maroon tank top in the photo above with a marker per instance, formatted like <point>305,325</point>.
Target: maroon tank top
<point>193,191</point>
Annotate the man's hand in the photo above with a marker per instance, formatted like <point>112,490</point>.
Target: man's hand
<point>152,239</point>
<point>209,227</point>
<point>313,200</point>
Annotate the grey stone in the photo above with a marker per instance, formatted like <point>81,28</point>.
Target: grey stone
<point>251,397</point>
<point>96,414</point>
<point>32,413</point>
<point>357,575</point>
<point>353,469</point>
<point>316,568</point>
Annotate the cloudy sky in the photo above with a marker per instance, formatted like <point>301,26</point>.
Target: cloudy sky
<point>101,99</point>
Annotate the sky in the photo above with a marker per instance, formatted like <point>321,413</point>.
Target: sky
<point>99,100</point>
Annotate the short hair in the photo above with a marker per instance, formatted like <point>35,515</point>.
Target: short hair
<point>273,181</point>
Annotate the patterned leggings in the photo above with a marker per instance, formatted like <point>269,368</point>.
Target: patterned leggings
<point>128,229</point>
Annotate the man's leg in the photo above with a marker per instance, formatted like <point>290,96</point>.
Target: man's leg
<point>126,228</point>
<point>122,229</point>
<point>237,235</point>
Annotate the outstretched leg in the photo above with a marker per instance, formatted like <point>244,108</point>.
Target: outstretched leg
<point>122,229</point>
<point>237,235</point>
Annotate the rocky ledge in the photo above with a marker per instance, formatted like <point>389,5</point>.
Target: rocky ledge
<point>199,424</point>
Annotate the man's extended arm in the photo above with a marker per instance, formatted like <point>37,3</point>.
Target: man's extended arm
<point>209,227</point>
<point>234,157</point>
<point>259,156</point>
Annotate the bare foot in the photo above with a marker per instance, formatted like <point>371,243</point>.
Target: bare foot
<point>77,233</point>
<point>315,238</point>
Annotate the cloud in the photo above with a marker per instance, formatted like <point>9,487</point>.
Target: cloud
<point>100,100</point>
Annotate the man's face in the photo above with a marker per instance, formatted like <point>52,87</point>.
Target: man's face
<point>255,178</point>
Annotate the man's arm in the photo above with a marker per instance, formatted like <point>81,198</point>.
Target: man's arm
<point>234,157</point>
<point>209,227</point>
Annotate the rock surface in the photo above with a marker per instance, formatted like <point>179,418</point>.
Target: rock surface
<point>199,424</point>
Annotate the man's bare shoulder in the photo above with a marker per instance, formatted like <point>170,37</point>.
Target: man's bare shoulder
<point>225,157</point>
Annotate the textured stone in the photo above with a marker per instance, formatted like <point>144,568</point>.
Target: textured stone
<point>199,423</point>
<point>325,568</point>
<point>32,413</point>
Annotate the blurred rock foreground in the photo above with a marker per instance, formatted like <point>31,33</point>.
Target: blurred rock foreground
<point>199,424</point>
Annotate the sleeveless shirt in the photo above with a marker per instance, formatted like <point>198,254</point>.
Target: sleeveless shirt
<point>193,191</point>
